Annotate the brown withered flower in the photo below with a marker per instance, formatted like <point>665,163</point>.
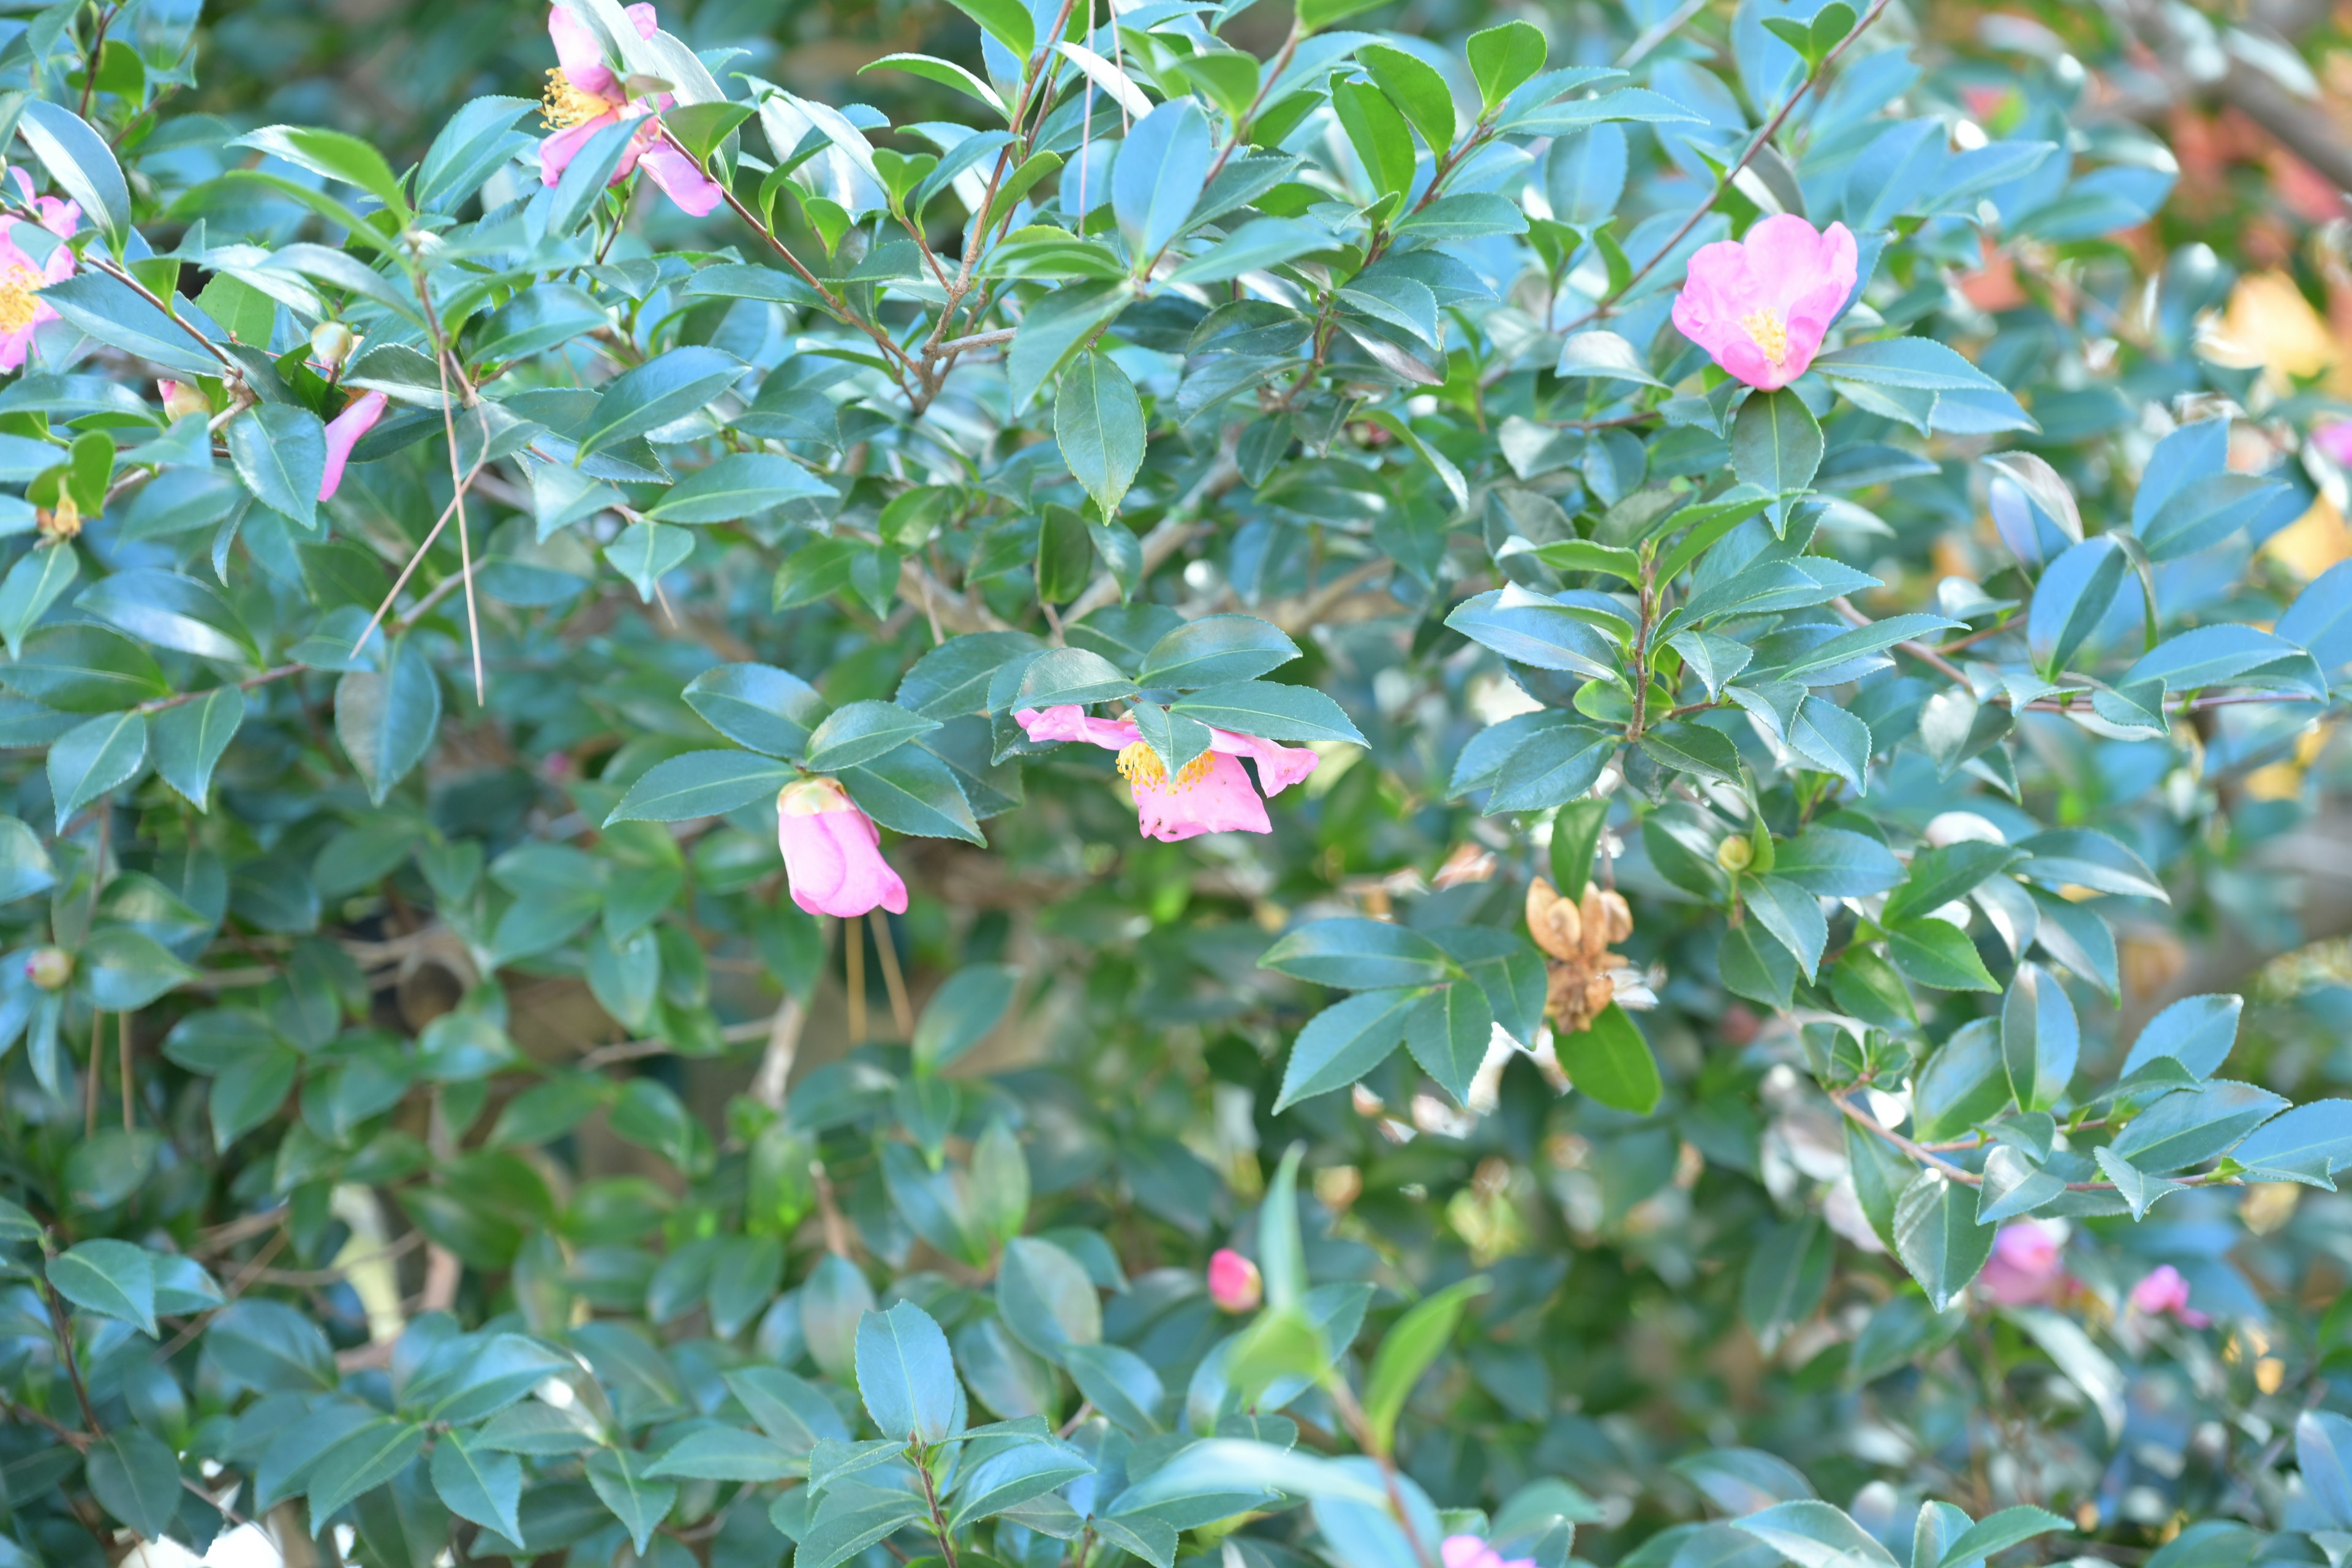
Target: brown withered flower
<point>1582,978</point>
<point>64,522</point>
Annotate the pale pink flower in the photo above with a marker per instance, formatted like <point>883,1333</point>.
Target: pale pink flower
<point>2335,440</point>
<point>833,857</point>
<point>1471,1551</point>
<point>1761,305</point>
<point>583,96</point>
<point>22,309</point>
<point>2164,1290</point>
<point>59,216</point>
<point>2025,1267</point>
<point>1211,794</point>
<point>1234,1283</point>
<point>343,433</point>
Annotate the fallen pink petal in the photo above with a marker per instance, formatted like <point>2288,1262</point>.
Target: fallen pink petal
<point>343,433</point>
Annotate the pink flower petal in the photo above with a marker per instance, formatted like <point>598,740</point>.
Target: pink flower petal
<point>343,433</point>
<point>555,154</point>
<point>1223,800</point>
<point>832,860</point>
<point>1068,722</point>
<point>1278,766</point>
<point>1761,305</point>
<point>642,16</point>
<point>681,179</point>
<point>582,56</point>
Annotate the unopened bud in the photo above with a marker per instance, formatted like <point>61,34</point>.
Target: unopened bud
<point>182,398</point>
<point>64,522</point>
<point>1735,854</point>
<point>330,344</point>
<point>48,967</point>
<point>1234,1283</point>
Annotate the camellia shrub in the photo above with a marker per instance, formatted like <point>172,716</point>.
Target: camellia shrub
<point>1409,789</point>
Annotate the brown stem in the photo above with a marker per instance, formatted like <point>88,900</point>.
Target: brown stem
<point>61,1327</point>
<point>97,53</point>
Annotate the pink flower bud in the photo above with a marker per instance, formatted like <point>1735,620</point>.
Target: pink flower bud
<point>831,854</point>
<point>182,398</point>
<point>343,433</point>
<point>48,967</point>
<point>1234,1283</point>
<point>2164,1290</point>
<point>2025,1266</point>
<point>1762,304</point>
<point>1471,1551</point>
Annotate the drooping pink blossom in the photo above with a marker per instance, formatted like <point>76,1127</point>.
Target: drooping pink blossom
<point>2335,440</point>
<point>1211,794</point>
<point>343,433</point>
<point>2164,1290</point>
<point>584,95</point>
<point>22,309</point>
<point>833,857</point>
<point>2026,1265</point>
<point>1761,305</point>
<point>1472,1551</point>
<point>1234,1283</point>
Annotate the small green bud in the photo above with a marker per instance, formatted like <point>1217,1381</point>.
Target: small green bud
<point>1735,854</point>
<point>48,967</point>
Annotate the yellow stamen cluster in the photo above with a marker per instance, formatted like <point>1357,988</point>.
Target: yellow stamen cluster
<point>17,287</point>
<point>1141,766</point>
<point>1576,937</point>
<point>1769,331</point>
<point>564,106</point>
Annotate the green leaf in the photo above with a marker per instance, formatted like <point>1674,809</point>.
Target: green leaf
<point>1358,954</point>
<point>388,720</point>
<point>270,1348</point>
<point>1997,1532</point>
<point>1046,1297</point>
<point>860,732</point>
<point>280,453</point>
<point>738,485</point>
<point>40,576</point>
<point>336,155</point>
<point>1269,710</point>
<point>166,609</point>
<point>1099,420</point>
<point>360,1462</point>
<point>1067,675</point>
<point>960,1014</point>
<point>189,740</point>
<point>646,553</point>
<point>1406,1351</point>
<point>479,1483</point>
<point>112,1279</point>
<point>1612,1062</point>
<point>2039,1038</point>
<point>1503,60</point>
<point>646,398</point>
<point>1416,89</point>
<point>638,1501</point>
<point>1931,952</point>
<point>122,969</point>
<point>136,1476</point>
<point>1344,1042</point>
<point>1448,1034</point>
<point>849,1519</point>
<point>702,783</point>
<point>93,758</point>
<point>78,159</point>
<point>1776,444</point>
<point>759,706</point>
<point>911,791</point>
<point>1938,1237</point>
<point>906,1375</point>
<point>725,1454</point>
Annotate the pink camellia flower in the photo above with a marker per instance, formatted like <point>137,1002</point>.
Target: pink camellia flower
<point>343,433</point>
<point>1761,305</point>
<point>2025,1267</point>
<point>1211,794</point>
<point>1234,1283</point>
<point>182,398</point>
<point>583,96</point>
<point>2335,438</point>
<point>56,215</point>
<point>22,309</point>
<point>1471,1551</point>
<point>2164,1290</point>
<point>833,857</point>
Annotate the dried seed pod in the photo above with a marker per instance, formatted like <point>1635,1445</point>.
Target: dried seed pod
<point>1555,923</point>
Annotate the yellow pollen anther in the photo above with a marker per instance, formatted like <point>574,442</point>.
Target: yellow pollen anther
<point>564,106</point>
<point>17,287</point>
<point>1769,331</point>
<point>1139,765</point>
